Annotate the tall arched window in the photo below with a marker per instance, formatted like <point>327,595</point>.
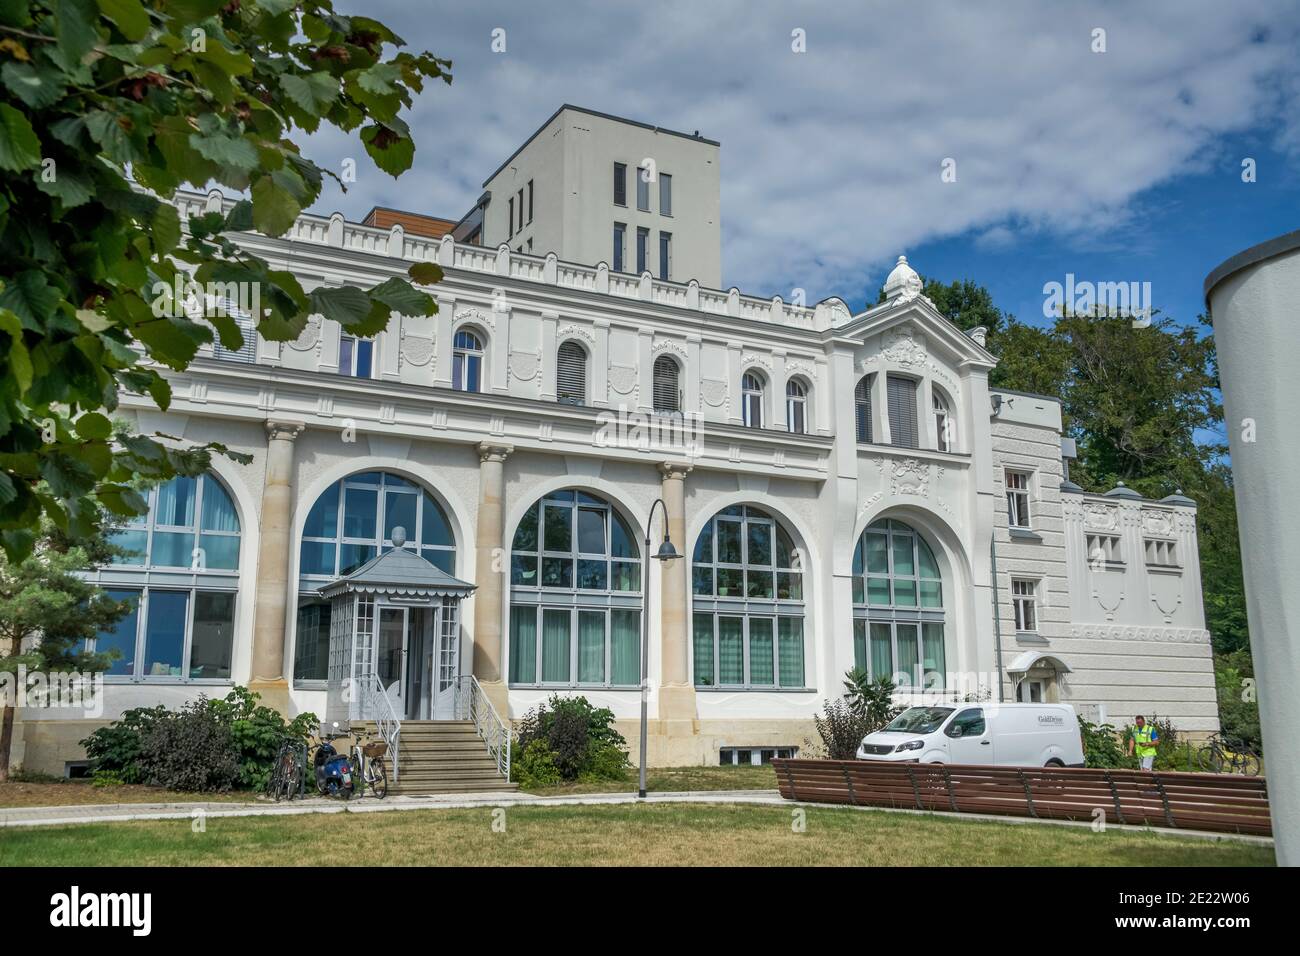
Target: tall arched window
<point>945,431</point>
<point>575,595</point>
<point>900,393</point>
<point>467,362</point>
<point>796,406</point>
<point>751,399</point>
<point>350,523</point>
<point>181,577</point>
<point>571,374</point>
<point>898,612</point>
<point>747,582</point>
<point>862,408</point>
<point>667,391</point>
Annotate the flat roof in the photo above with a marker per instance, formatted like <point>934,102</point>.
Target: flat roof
<point>1248,257</point>
<point>609,116</point>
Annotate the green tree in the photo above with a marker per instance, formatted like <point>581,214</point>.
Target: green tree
<point>48,610</point>
<point>107,107</point>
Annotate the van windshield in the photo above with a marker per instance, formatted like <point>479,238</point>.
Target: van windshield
<point>919,720</point>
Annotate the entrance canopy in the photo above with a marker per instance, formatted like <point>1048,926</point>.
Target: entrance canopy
<point>1031,659</point>
<point>402,575</point>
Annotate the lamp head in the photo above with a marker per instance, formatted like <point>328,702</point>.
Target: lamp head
<point>666,551</point>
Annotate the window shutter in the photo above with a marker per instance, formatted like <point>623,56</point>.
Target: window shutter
<point>571,374</point>
<point>862,399</point>
<point>248,351</point>
<point>902,412</point>
<point>667,396</point>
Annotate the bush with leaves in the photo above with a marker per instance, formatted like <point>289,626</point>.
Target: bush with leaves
<point>258,732</point>
<point>115,749</point>
<point>872,700</point>
<point>1101,746</point>
<point>533,766</point>
<point>841,728</point>
<point>579,739</point>
<point>191,749</point>
<point>106,109</point>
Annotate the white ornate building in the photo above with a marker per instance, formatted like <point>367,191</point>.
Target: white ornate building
<point>846,489</point>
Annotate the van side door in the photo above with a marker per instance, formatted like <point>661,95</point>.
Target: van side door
<point>969,737</point>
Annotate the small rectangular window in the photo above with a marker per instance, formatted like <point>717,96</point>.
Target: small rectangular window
<point>1160,553</point>
<point>530,200</point>
<point>620,232</point>
<point>643,189</point>
<point>642,239</point>
<point>521,207</point>
<point>355,356</point>
<point>1024,601</point>
<point>1017,498</point>
<point>620,184</point>
<point>1104,550</point>
<point>510,220</point>
<point>665,194</point>
<point>665,254</point>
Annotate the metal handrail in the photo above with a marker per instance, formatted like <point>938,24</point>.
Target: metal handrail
<point>473,704</point>
<point>387,723</point>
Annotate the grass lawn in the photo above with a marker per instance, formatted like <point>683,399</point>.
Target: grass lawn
<point>676,780</point>
<point>680,834</point>
<point>66,793</point>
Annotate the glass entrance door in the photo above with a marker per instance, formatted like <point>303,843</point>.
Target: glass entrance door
<point>391,655</point>
<point>447,661</point>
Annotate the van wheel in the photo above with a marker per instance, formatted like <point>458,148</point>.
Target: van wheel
<point>1055,763</point>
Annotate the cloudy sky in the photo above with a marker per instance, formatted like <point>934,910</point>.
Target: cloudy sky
<point>1122,165</point>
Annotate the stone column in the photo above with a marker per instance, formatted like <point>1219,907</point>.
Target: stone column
<point>490,570</point>
<point>676,711</point>
<point>273,586</point>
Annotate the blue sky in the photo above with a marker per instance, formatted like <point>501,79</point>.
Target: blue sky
<point>1114,165</point>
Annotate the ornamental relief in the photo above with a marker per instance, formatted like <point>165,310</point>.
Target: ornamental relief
<point>416,349</point>
<point>477,316</point>
<point>750,359</point>
<point>1130,632</point>
<point>622,379</point>
<point>576,331</point>
<point>525,366</point>
<point>309,337</point>
<point>713,392</point>
<point>904,347</point>
<point>1158,522</point>
<point>669,346</point>
<point>907,476</point>
<point>800,368</point>
<point>1100,517</point>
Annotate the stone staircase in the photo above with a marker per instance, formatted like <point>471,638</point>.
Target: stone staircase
<point>443,756</point>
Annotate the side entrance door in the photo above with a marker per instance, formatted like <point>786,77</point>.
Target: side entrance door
<point>446,662</point>
<point>391,655</point>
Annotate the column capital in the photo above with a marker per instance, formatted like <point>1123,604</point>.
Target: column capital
<point>675,470</point>
<point>493,451</point>
<point>286,431</point>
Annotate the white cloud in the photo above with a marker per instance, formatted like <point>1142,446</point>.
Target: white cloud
<point>831,158</point>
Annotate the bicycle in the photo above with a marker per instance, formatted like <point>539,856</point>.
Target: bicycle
<point>1219,755</point>
<point>368,764</point>
<point>286,780</point>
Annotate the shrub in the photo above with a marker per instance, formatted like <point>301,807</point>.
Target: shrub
<point>580,739</point>
<point>116,748</point>
<point>191,749</point>
<point>534,766</point>
<point>871,700</point>
<point>841,729</point>
<point>1171,752</point>
<point>257,733</point>
<point>106,778</point>
<point>1101,747</point>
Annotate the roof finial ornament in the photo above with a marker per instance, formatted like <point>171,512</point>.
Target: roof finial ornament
<point>399,537</point>
<point>903,283</point>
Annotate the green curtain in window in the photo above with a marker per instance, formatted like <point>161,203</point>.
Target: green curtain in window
<point>908,654</point>
<point>882,654</point>
<point>731,650</point>
<point>704,676</point>
<point>591,647</point>
<point>760,651</point>
<point>790,650</point>
<point>625,646</point>
<point>933,657</point>
<point>555,646</point>
<point>860,646</point>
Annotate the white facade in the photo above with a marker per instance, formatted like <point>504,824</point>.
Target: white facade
<point>870,479</point>
<point>557,194</point>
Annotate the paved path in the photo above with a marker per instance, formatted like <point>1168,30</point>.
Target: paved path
<point>109,813</point>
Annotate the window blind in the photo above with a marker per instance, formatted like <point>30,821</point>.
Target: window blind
<point>667,395</point>
<point>902,411</point>
<point>571,374</point>
<point>862,399</point>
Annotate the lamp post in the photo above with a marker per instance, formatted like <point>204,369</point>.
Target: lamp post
<point>665,553</point>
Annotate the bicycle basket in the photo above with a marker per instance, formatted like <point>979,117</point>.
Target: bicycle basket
<point>376,748</point>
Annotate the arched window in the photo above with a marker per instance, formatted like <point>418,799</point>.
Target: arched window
<point>945,431</point>
<point>751,400</point>
<point>862,408</point>
<point>667,391</point>
<point>898,611</point>
<point>748,607</point>
<point>796,406</point>
<point>350,523</point>
<point>571,374</point>
<point>180,577</point>
<point>575,595</point>
<point>467,362</point>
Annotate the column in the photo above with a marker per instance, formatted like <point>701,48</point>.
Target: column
<point>490,570</point>
<point>271,609</point>
<point>676,695</point>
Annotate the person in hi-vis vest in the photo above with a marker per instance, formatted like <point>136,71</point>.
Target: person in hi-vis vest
<point>1145,740</point>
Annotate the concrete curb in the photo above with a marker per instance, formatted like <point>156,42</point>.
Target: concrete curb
<point>120,812</point>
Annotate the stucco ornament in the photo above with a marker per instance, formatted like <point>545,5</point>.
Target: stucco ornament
<point>309,337</point>
<point>907,477</point>
<point>622,379</point>
<point>1100,517</point>
<point>903,283</point>
<point>1158,522</point>
<point>417,349</point>
<point>525,366</point>
<point>713,392</point>
<point>904,347</point>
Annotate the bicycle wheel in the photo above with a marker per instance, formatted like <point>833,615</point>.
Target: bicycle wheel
<point>1247,764</point>
<point>1210,759</point>
<point>377,778</point>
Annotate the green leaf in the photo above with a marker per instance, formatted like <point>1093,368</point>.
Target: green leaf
<point>122,500</point>
<point>314,92</point>
<point>94,425</point>
<point>129,15</point>
<point>426,273</point>
<point>192,11</point>
<point>226,150</point>
<point>20,361</point>
<point>166,228</point>
<point>19,147</point>
<point>400,296</point>
<point>396,153</point>
<point>172,341</point>
<point>347,305</point>
<point>379,79</point>
<point>29,296</point>
<point>36,84</point>
<point>274,210</point>
<point>75,28</point>
<point>106,130</point>
<point>71,187</point>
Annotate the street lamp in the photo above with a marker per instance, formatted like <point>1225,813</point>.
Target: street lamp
<point>665,553</point>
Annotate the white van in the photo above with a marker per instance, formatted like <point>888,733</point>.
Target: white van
<point>1005,735</point>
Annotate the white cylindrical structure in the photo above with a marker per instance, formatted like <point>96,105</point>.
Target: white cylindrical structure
<point>1254,301</point>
